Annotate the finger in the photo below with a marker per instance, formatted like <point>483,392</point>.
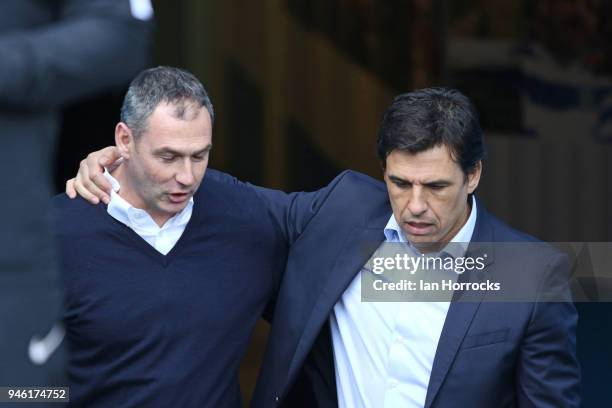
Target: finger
<point>92,162</point>
<point>87,181</point>
<point>92,188</point>
<point>70,191</point>
<point>83,191</point>
<point>102,185</point>
<point>108,156</point>
<point>92,170</point>
<point>83,178</point>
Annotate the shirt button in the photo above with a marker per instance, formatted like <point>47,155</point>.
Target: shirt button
<point>393,384</point>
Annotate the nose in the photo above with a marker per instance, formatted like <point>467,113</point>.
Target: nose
<point>185,174</point>
<point>417,203</point>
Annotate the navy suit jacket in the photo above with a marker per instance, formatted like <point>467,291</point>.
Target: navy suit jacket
<point>490,354</point>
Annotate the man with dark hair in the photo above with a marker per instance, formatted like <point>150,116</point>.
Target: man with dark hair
<point>432,117</point>
<point>425,129</point>
<point>329,346</point>
<point>158,313</point>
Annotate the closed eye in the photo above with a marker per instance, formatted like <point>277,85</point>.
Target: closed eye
<point>400,183</point>
<point>199,157</point>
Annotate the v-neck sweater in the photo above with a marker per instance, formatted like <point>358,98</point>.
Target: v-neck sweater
<point>147,329</point>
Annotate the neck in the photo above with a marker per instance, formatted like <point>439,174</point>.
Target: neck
<point>464,219</point>
<point>466,216</point>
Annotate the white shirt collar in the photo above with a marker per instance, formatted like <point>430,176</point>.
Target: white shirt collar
<point>393,233</point>
<point>139,220</point>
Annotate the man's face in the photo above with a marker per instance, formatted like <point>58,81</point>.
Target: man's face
<point>166,164</point>
<point>428,193</point>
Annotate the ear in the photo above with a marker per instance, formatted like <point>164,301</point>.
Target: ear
<point>124,140</point>
<point>473,177</point>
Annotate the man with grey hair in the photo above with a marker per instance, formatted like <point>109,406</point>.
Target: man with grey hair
<point>164,285</point>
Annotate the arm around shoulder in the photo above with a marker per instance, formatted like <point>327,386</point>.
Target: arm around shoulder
<point>292,212</point>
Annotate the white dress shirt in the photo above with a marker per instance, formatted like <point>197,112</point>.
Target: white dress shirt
<point>384,351</point>
<point>161,238</point>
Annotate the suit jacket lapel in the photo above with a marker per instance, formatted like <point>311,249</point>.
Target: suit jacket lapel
<point>463,307</point>
<point>458,319</point>
<point>357,249</point>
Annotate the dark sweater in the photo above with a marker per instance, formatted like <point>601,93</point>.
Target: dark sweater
<point>150,330</point>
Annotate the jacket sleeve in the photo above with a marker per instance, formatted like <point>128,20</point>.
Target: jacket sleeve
<point>292,212</point>
<point>90,46</point>
<point>548,372</point>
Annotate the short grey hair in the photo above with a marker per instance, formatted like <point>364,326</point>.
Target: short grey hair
<point>162,85</point>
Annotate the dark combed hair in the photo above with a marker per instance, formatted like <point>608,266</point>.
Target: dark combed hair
<point>162,84</point>
<point>426,118</point>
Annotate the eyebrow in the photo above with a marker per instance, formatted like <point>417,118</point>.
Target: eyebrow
<point>177,153</point>
<point>439,182</point>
